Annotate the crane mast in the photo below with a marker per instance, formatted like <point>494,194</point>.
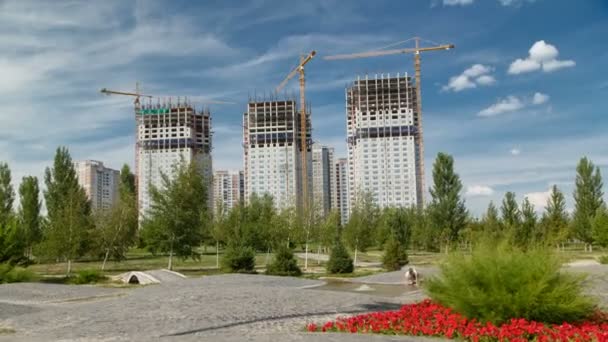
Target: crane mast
<point>303,122</point>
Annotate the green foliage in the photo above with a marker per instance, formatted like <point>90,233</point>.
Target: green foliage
<point>396,222</point>
<point>88,277</point>
<point>447,210</point>
<point>11,274</point>
<point>116,228</point>
<point>603,259</point>
<point>362,223</point>
<point>329,228</point>
<point>511,216</point>
<point>30,220</point>
<point>524,231</point>
<point>395,255</point>
<point>600,226</point>
<point>11,241</point>
<point>425,235</point>
<point>339,260</point>
<point>7,194</point>
<point>67,234</point>
<point>554,222</point>
<point>499,283</point>
<point>588,199</point>
<point>178,216</point>
<point>238,259</point>
<point>284,263</point>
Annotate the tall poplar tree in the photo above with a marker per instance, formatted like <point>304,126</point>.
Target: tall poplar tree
<point>511,216</point>
<point>29,213</point>
<point>554,222</point>
<point>11,247</point>
<point>68,232</point>
<point>447,209</point>
<point>587,200</point>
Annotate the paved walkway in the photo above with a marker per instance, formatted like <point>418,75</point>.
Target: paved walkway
<point>325,257</point>
<point>212,308</point>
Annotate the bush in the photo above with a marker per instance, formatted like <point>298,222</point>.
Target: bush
<point>239,259</point>
<point>88,277</point>
<point>339,260</point>
<point>395,255</point>
<point>497,284</point>
<point>603,259</point>
<point>284,263</point>
<point>10,274</point>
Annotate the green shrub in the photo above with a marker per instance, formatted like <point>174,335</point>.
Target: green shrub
<point>339,260</point>
<point>499,283</point>
<point>284,263</point>
<point>88,277</point>
<point>10,274</point>
<point>395,255</point>
<point>239,259</point>
<point>603,259</point>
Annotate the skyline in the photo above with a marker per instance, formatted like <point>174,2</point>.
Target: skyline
<point>517,87</point>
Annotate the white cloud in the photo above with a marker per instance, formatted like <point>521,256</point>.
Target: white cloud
<point>476,75</point>
<point>509,104</point>
<point>540,98</point>
<point>479,190</point>
<point>541,55</point>
<point>538,199</point>
<point>515,151</point>
<point>457,2</point>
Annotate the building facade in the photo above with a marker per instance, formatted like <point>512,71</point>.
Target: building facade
<point>382,140</point>
<point>272,152</point>
<point>341,196</point>
<point>228,190</point>
<point>168,134</point>
<point>99,182</point>
<point>322,178</point>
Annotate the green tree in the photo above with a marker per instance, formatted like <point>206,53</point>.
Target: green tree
<point>523,232</point>
<point>362,223</point>
<point>395,254</point>
<point>511,216</point>
<point>425,235</point>
<point>116,228</point>
<point>600,226</point>
<point>587,200</point>
<point>329,228</point>
<point>554,222</point>
<point>7,195</point>
<point>396,222</point>
<point>491,222</point>
<point>447,208</point>
<point>29,213</point>
<point>67,234</point>
<point>284,263</point>
<point>339,260</point>
<point>178,214</point>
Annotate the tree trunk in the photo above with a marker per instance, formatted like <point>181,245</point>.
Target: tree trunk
<point>105,259</point>
<point>590,248</point>
<point>306,256</point>
<point>170,266</point>
<point>267,256</point>
<point>355,261</point>
<point>217,254</point>
<point>319,255</point>
<point>69,267</point>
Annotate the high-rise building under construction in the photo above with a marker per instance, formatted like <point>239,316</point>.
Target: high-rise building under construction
<point>168,134</point>
<point>272,152</point>
<point>381,131</point>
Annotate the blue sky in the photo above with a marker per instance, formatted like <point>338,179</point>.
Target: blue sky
<point>517,103</point>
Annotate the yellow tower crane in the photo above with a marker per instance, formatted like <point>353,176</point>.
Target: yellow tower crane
<point>416,51</point>
<point>299,69</point>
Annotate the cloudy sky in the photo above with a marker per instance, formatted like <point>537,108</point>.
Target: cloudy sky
<point>517,103</point>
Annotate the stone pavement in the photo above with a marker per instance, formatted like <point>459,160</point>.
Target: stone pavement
<point>213,308</point>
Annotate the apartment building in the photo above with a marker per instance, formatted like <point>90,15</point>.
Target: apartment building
<point>228,190</point>
<point>99,182</point>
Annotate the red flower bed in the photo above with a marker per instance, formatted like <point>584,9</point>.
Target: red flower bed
<point>430,319</point>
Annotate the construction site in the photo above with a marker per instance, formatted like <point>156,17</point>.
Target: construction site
<point>168,133</point>
<point>273,151</point>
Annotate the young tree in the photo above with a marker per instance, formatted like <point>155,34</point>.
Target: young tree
<point>7,195</point>
<point>600,226</point>
<point>398,223</point>
<point>362,223</point>
<point>178,215</point>
<point>425,235</point>
<point>339,259</point>
<point>588,199</point>
<point>554,222</point>
<point>511,216</point>
<point>69,211</point>
<point>117,227</point>
<point>527,227</point>
<point>491,222</point>
<point>447,209</point>
<point>29,213</point>
<point>329,228</point>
